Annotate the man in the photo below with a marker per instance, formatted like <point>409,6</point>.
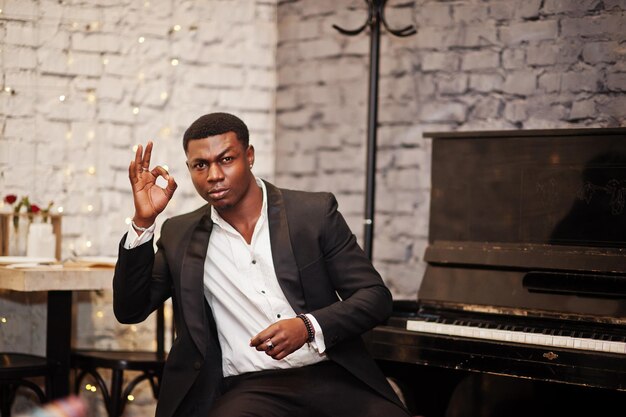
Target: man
<point>270,290</point>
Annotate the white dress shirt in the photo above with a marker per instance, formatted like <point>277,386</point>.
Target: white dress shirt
<point>242,289</point>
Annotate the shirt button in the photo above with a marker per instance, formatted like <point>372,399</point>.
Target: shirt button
<point>278,315</point>
<point>254,261</point>
<point>262,291</point>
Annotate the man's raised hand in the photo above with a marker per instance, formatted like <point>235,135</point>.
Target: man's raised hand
<point>149,198</point>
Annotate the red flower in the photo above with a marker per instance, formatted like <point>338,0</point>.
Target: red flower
<point>10,199</point>
<point>34,208</point>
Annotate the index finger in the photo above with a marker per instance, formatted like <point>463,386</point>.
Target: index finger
<point>261,337</point>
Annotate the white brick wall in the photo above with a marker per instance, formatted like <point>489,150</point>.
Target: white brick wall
<point>107,59</point>
<point>473,65</point>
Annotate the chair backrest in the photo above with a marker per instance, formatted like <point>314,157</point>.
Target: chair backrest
<point>161,329</point>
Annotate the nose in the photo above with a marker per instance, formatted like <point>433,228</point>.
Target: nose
<point>215,173</point>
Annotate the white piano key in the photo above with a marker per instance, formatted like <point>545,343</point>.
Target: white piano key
<point>517,337</point>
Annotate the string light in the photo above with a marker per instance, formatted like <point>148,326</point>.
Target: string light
<point>131,397</point>
<point>91,97</point>
<point>165,131</point>
<point>3,319</point>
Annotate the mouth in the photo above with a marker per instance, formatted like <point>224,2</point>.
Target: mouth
<point>218,193</point>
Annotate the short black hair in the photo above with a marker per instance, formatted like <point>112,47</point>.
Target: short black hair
<point>213,124</point>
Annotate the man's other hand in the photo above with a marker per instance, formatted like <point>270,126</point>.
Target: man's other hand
<point>281,338</point>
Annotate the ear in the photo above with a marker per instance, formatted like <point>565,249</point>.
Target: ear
<point>250,155</point>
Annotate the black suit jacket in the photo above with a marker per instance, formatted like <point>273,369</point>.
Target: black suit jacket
<point>320,268</point>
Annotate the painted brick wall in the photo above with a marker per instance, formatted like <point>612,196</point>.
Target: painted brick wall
<point>473,65</point>
<point>86,81</point>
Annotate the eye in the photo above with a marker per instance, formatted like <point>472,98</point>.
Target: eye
<point>199,165</point>
<point>227,159</point>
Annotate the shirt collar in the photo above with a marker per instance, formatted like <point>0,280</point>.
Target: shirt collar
<point>218,220</point>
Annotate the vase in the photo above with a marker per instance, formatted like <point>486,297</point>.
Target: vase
<point>18,235</point>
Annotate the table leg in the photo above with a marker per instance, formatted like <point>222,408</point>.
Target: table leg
<point>59,340</point>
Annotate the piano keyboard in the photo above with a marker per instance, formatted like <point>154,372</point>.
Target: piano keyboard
<point>514,336</point>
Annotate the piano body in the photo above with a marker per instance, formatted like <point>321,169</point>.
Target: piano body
<point>525,276</point>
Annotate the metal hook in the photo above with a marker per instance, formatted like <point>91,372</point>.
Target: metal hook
<point>354,32</point>
<point>376,11</point>
<point>405,31</point>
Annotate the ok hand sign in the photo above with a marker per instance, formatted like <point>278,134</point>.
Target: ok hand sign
<point>149,198</point>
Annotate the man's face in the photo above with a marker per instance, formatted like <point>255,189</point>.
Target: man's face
<point>220,169</point>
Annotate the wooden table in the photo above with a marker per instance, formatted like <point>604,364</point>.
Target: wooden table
<point>59,282</point>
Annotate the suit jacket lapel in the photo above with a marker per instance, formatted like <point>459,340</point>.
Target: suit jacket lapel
<point>192,281</point>
<point>282,251</point>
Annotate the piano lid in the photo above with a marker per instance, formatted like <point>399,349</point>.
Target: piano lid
<point>530,199</point>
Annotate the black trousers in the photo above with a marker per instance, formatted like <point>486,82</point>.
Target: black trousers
<point>321,390</point>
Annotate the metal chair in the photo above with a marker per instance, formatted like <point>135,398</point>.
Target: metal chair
<point>16,370</point>
<point>149,363</point>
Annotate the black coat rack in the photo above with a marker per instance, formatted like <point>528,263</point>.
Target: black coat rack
<point>375,16</point>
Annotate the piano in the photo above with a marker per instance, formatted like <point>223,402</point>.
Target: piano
<point>525,283</point>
